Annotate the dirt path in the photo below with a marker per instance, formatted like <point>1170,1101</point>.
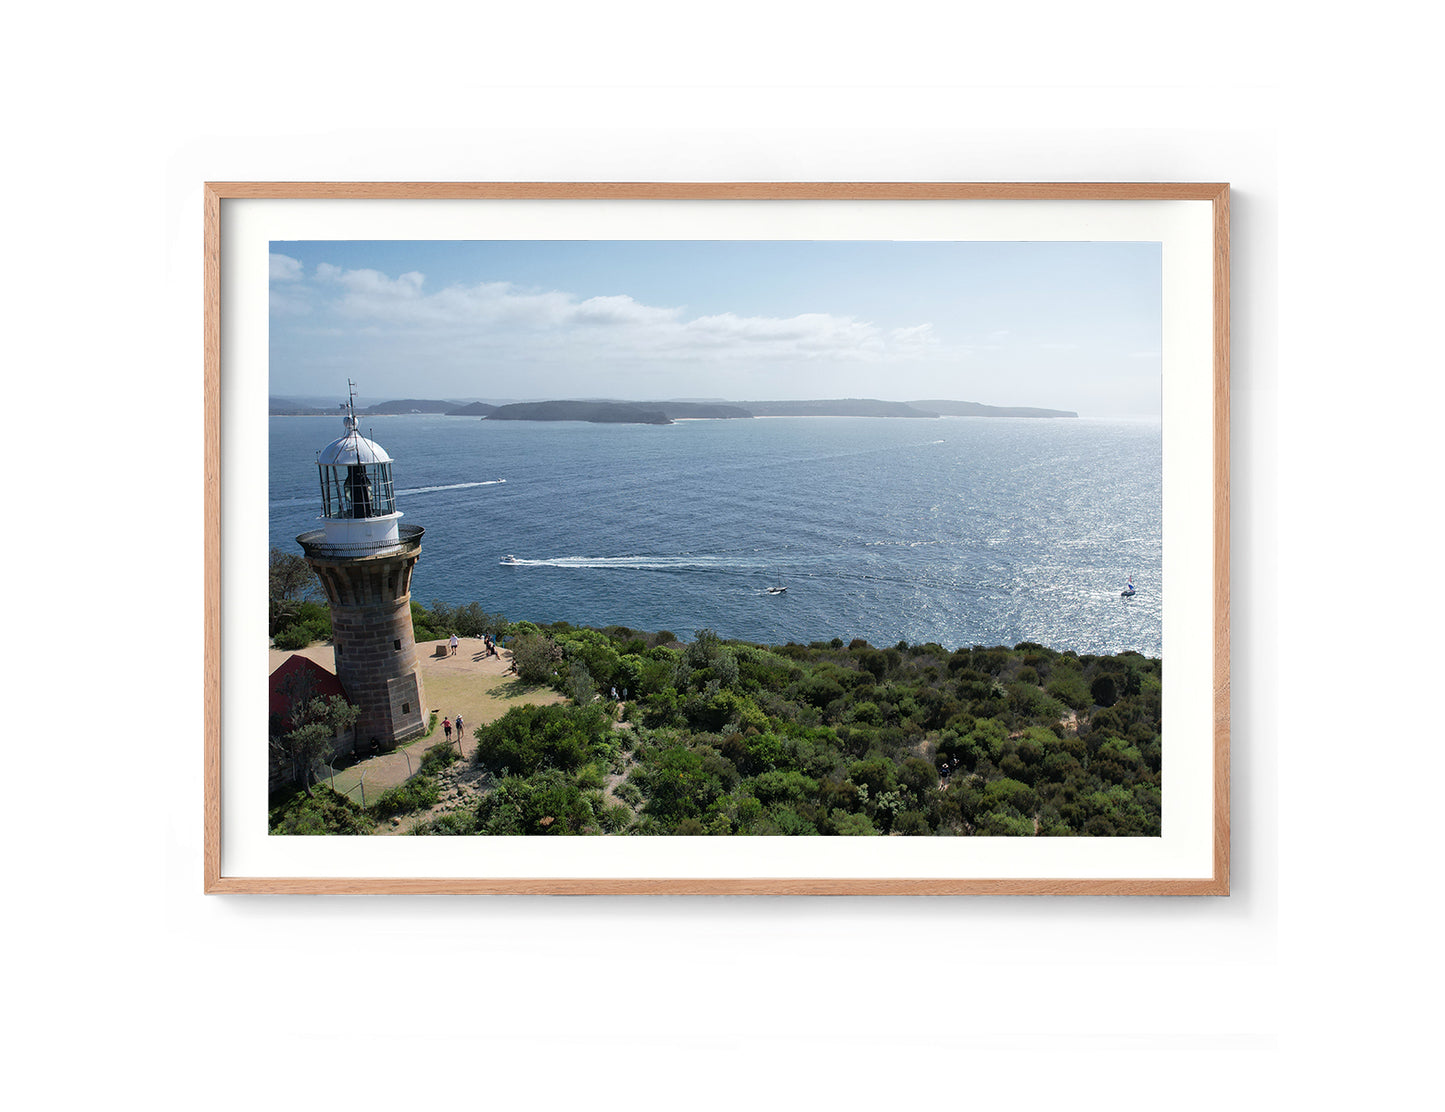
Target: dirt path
<point>463,783</point>
<point>471,683</point>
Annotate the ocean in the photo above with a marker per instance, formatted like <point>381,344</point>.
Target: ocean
<point>959,530</point>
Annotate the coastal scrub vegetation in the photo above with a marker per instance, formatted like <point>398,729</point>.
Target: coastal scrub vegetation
<point>434,622</point>
<point>717,737</point>
<point>322,812</point>
<point>299,615</point>
<point>298,612</point>
<point>319,809</point>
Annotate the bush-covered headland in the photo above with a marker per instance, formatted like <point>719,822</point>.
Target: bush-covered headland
<point>725,737</point>
<point>720,737</point>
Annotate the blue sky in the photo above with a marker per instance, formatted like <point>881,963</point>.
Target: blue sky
<point>1063,325</point>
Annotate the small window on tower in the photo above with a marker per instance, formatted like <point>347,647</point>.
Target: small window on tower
<point>338,650</point>
<point>396,645</point>
<point>405,708</point>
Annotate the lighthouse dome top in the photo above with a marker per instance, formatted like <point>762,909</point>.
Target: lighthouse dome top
<point>352,449</point>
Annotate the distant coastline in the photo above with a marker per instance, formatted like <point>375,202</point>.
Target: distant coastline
<point>666,412</point>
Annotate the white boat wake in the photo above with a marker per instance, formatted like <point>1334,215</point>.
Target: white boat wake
<point>449,486</point>
<point>686,562</point>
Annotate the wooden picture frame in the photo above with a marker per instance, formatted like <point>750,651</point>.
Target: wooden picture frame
<point>1211,199</point>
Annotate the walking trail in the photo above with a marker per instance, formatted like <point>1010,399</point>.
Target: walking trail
<point>471,683</point>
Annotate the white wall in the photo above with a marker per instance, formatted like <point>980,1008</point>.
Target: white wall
<point>125,977</point>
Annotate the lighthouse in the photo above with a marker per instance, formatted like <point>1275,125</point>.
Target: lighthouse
<point>364,558</point>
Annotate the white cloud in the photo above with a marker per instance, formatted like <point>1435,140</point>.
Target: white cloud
<point>916,340</point>
<point>286,303</point>
<point>621,309</point>
<point>509,318</point>
<point>371,283</point>
<point>285,269</point>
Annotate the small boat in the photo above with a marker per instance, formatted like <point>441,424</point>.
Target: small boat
<point>509,559</point>
<point>777,590</point>
<point>1128,592</point>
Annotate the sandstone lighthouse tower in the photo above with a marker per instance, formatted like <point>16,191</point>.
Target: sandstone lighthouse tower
<point>364,557</point>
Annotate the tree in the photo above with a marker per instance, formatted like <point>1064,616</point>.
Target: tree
<point>292,583</point>
<point>677,785</point>
<point>877,774</point>
<point>581,688</point>
<point>528,739</point>
<point>316,722</point>
<point>536,656</point>
<point>705,660</point>
<point>918,776</point>
<point>547,803</point>
<point>851,825</point>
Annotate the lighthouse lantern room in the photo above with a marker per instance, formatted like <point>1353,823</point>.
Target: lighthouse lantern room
<point>358,501</point>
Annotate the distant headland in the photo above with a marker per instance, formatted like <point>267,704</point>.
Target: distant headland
<point>666,412</point>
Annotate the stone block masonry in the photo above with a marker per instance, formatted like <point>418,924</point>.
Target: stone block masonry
<point>374,643</point>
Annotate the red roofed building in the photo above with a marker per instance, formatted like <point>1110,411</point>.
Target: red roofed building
<point>295,682</point>
<point>298,679</point>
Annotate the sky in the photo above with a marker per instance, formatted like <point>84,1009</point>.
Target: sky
<point>1073,325</point>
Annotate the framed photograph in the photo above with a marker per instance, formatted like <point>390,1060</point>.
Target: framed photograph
<point>717,538</point>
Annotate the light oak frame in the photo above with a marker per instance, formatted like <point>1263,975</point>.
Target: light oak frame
<point>215,192</point>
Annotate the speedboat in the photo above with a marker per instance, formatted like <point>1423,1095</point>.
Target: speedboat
<point>509,559</point>
<point>777,590</point>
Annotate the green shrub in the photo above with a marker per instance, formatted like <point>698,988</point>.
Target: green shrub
<point>439,756</point>
<point>536,657</point>
<point>293,638</point>
<point>453,823</point>
<point>1070,689</point>
<point>530,738</point>
<point>325,812</point>
<point>465,621</point>
<point>1012,793</point>
<point>579,685</point>
<point>995,824</point>
<point>850,825</point>
<point>1105,691</point>
<point>418,793</point>
<point>547,803</point>
<point>779,786</point>
<point>785,820</point>
<point>421,624</point>
<point>590,777</point>
<point>629,793</point>
<point>877,774</point>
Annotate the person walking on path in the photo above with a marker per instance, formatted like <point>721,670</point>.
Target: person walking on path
<point>460,735</point>
<point>454,644</point>
<point>447,726</point>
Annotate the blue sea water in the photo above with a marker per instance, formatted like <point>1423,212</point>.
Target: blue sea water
<point>962,531</point>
